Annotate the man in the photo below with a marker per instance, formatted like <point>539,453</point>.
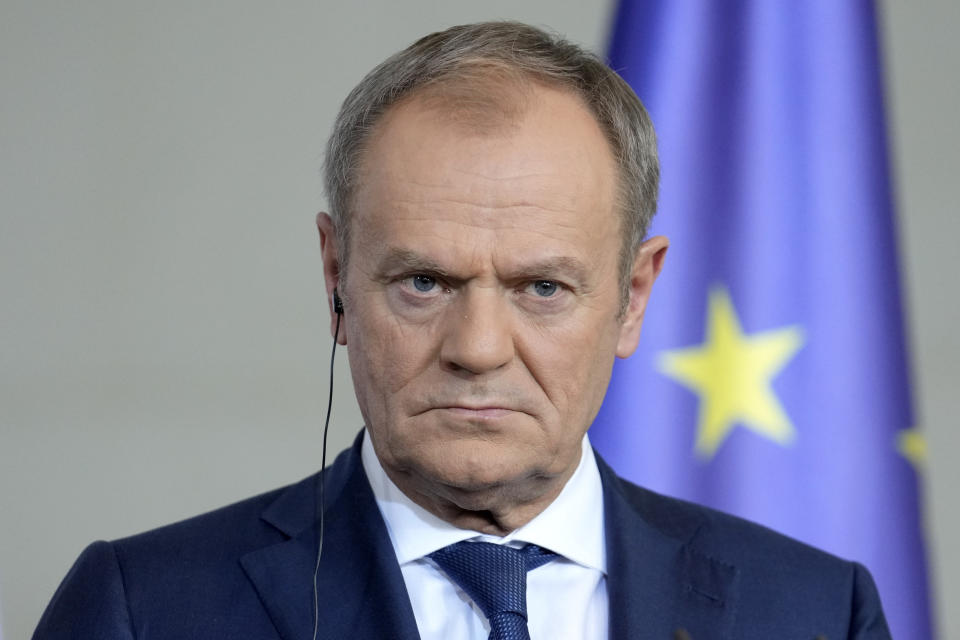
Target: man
<point>490,190</point>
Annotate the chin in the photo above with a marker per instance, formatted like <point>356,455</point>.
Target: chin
<point>471,467</point>
<point>486,493</point>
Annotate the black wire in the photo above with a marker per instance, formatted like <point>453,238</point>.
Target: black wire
<point>323,466</point>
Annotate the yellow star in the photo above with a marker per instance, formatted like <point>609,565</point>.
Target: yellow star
<point>733,373</point>
<point>913,446</point>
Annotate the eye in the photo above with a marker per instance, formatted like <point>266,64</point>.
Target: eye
<point>545,288</point>
<point>423,283</point>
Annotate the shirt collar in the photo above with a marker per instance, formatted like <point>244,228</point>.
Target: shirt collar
<point>572,525</point>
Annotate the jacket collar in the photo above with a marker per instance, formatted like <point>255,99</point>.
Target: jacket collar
<point>657,581</point>
<point>361,593</point>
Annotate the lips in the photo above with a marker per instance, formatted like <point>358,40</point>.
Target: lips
<point>474,410</point>
<point>484,404</point>
<point>485,413</point>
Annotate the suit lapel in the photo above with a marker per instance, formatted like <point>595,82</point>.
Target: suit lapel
<point>361,593</point>
<point>657,582</point>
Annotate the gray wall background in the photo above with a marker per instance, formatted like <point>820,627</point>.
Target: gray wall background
<point>164,345</point>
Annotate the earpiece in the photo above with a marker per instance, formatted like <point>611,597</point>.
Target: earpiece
<point>337,303</point>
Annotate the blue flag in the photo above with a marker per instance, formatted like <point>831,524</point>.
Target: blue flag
<point>771,379</point>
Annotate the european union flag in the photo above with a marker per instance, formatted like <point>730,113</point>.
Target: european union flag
<point>771,379</point>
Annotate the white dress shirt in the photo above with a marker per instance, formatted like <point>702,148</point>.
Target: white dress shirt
<point>566,598</point>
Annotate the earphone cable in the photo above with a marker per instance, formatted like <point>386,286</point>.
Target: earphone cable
<point>323,466</point>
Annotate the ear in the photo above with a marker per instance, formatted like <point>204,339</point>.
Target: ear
<point>331,271</point>
<point>646,267</point>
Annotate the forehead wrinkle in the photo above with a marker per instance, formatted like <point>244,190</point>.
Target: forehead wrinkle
<point>420,193</point>
<point>451,209</point>
<point>491,217</point>
<point>412,185</point>
<point>441,216</point>
<point>484,229</point>
<point>501,179</point>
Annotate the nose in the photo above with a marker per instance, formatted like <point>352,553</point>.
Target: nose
<point>478,337</point>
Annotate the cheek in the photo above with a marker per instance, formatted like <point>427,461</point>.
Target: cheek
<point>385,358</point>
<point>572,365</point>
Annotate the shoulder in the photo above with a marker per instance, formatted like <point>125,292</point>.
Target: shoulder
<point>189,579</point>
<point>188,569</point>
<point>722,536</point>
<point>776,577</point>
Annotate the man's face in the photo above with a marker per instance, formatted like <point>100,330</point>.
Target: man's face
<point>482,319</point>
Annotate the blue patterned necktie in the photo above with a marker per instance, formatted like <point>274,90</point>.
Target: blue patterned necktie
<point>495,578</point>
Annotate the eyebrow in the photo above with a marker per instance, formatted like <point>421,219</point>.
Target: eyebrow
<point>397,258</point>
<point>555,268</point>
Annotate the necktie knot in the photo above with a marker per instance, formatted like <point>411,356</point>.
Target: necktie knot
<point>495,578</point>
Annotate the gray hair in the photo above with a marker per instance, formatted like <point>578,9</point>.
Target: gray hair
<point>525,52</point>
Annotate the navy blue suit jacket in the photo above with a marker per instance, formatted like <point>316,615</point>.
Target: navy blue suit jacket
<point>245,571</point>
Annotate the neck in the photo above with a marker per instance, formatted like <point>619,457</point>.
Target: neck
<point>495,510</point>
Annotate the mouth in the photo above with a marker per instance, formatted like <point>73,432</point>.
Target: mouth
<point>478,413</point>
<point>483,405</point>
